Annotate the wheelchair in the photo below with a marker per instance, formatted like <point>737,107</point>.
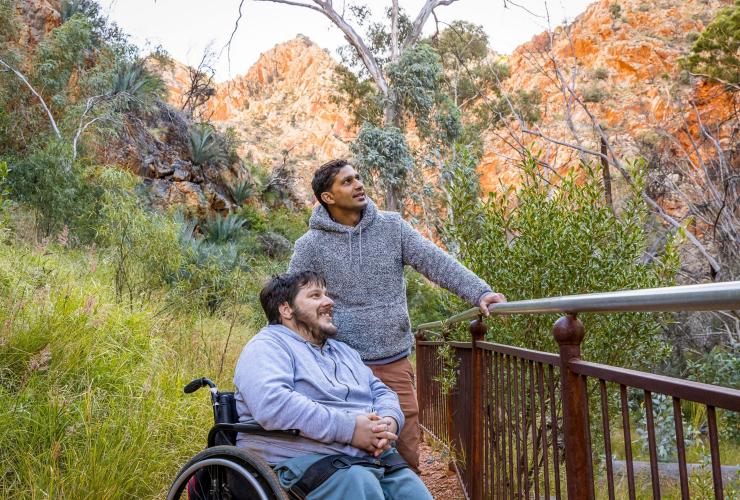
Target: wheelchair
<point>222,471</point>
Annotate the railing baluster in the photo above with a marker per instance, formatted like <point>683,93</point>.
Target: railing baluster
<point>607,439</point>
<point>681,448</point>
<point>535,441</point>
<point>499,464</point>
<point>525,444</point>
<point>517,424</point>
<point>627,441</point>
<point>555,431</point>
<point>543,423</point>
<point>650,423</point>
<point>509,424</point>
<point>714,451</point>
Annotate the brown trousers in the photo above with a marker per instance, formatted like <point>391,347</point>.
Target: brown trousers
<point>399,376</point>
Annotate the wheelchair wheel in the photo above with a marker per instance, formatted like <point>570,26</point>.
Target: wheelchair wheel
<point>226,473</point>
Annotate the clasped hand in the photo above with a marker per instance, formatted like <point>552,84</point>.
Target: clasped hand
<point>374,433</point>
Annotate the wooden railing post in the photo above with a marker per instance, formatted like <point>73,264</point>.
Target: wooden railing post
<point>569,333</point>
<point>477,333</point>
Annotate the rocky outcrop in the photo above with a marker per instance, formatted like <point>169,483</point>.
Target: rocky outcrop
<point>624,55</point>
<point>281,108</point>
<point>38,18</point>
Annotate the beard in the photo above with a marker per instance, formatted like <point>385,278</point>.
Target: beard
<point>309,322</point>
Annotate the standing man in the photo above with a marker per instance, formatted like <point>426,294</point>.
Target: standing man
<point>362,252</point>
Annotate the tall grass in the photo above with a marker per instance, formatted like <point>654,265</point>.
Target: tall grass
<point>91,402</point>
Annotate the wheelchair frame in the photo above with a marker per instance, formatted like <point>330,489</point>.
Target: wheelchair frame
<point>224,459</point>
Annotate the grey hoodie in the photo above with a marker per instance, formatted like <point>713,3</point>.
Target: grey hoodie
<point>285,382</point>
<point>363,266</point>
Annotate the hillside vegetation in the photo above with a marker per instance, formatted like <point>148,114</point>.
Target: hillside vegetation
<point>134,239</point>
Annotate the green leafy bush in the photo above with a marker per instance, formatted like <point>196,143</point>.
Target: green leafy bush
<point>543,241</point>
<point>143,245</point>
<point>715,52</point>
<point>56,188</point>
<point>254,219</point>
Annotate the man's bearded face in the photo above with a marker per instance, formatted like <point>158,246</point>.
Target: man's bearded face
<point>313,312</point>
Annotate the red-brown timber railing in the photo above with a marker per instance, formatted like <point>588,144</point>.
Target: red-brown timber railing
<point>518,422</point>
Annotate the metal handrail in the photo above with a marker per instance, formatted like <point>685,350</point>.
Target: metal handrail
<point>706,297</point>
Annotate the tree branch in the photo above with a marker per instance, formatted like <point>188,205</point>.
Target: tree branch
<point>38,96</point>
<point>325,7</point>
<point>421,20</point>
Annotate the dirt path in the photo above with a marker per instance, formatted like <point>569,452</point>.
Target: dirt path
<point>442,483</point>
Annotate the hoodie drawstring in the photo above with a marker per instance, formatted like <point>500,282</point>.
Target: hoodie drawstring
<point>349,234</point>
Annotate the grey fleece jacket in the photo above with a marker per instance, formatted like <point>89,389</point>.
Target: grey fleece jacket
<point>285,382</point>
<point>363,266</point>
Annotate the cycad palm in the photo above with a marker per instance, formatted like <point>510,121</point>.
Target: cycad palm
<point>203,145</point>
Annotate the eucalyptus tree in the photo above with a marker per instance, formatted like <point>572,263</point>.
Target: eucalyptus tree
<point>405,76</point>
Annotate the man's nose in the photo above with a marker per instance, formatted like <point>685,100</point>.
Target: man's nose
<point>327,301</point>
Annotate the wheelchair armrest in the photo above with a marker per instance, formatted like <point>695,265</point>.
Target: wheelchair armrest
<point>247,429</point>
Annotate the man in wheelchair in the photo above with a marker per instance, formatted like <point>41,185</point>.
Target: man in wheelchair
<point>294,375</point>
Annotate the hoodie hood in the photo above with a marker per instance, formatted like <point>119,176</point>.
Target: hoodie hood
<point>321,220</point>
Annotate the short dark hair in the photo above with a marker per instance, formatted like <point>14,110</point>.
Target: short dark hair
<point>324,177</point>
<point>284,288</point>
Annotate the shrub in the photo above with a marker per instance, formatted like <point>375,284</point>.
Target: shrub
<point>290,224</point>
<point>715,51</point>
<point>203,145</point>
<point>600,73</point>
<point>254,220</point>
<point>274,245</point>
<point>223,229</point>
<point>615,10</point>
<point>56,188</point>
<point>543,241</point>
<point>594,93</point>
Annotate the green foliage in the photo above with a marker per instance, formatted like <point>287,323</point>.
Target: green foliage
<point>600,73</point>
<point>90,393</point>
<point>135,86</point>
<point>211,275</point>
<point>48,181</point>
<point>594,93</point>
<point>720,367</point>
<point>462,42</point>
<point>359,96</point>
<point>415,80</point>
<point>382,156</point>
<point>242,191</point>
<point>59,55</point>
<point>287,223</point>
<point>254,219</point>
<point>203,145</point>
<point>144,246</point>
<point>223,229</point>
<point>274,245</point>
<point>543,241</point>
<point>615,10</point>
<point>715,52</point>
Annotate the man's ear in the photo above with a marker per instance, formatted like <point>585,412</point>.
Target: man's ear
<point>286,312</point>
<point>327,197</point>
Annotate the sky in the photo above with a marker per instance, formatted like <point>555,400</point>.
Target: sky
<point>185,28</point>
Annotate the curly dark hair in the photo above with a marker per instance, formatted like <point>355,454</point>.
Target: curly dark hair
<point>284,288</point>
<point>324,177</point>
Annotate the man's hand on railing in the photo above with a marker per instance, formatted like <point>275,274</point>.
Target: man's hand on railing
<point>490,298</point>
